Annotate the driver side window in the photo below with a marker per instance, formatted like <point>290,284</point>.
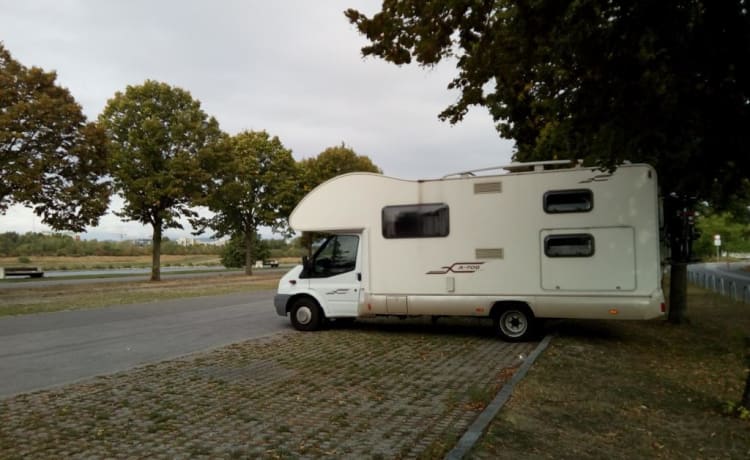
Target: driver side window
<point>337,255</point>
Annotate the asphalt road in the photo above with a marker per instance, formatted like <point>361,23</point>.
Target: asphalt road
<point>45,350</point>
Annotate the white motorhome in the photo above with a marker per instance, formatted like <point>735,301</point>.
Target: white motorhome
<point>540,241</point>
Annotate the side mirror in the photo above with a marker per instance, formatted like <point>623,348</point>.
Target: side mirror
<point>305,262</point>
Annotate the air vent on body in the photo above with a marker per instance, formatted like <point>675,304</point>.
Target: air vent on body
<point>488,187</point>
<point>489,253</point>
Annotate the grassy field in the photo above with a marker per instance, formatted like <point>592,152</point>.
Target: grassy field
<point>37,299</point>
<point>108,262</point>
<point>633,390</point>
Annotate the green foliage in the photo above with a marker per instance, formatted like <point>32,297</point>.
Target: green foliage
<point>733,409</point>
<point>161,141</point>
<point>734,231</point>
<point>282,248</point>
<point>254,180</point>
<point>254,183</point>
<point>332,162</point>
<point>59,245</point>
<point>50,158</point>
<point>233,253</point>
<point>667,83</point>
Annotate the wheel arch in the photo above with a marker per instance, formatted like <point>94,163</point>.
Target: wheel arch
<point>306,295</point>
<point>514,320</point>
<point>502,305</point>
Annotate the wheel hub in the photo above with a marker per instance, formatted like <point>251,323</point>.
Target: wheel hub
<point>514,323</point>
<point>303,315</point>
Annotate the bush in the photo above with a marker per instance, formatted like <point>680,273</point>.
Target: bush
<point>233,253</point>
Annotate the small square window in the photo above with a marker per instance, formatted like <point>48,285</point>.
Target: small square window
<point>562,201</point>
<point>571,245</point>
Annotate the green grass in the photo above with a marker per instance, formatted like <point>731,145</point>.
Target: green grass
<point>108,262</point>
<point>39,299</point>
<point>632,390</point>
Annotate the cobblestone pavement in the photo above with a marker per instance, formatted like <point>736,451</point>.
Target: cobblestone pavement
<point>377,389</point>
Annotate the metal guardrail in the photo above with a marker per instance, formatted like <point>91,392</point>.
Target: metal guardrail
<point>34,272</point>
<point>720,285</point>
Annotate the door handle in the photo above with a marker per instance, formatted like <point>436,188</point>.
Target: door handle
<point>359,276</point>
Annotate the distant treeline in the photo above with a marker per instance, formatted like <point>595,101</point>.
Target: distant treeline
<point>13,244</point>
<point>282,248</point>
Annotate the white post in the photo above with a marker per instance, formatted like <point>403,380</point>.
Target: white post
<point>717,243</point>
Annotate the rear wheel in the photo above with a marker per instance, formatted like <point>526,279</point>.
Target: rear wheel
<point>515,323</point>
<point>306,315</point>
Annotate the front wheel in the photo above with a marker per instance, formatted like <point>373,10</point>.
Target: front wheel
<point>515,324</point>
<point>306,315</point>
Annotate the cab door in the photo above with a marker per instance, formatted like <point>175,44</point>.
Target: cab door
<point>335,274</point>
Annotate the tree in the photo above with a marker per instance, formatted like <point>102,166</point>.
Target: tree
<point>159,137</point>
<point>667,83</point>
<point>734,231</point>
<point>331,162</point>
<point>234,253</point>
<point>254,183</point>
<point>51,159</point>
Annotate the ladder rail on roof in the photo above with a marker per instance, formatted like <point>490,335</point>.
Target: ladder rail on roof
<point>533,165</point>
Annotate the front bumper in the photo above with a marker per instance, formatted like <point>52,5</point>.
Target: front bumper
<point>280,301</point>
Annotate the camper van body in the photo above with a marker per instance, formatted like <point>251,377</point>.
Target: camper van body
<point>529,244</point>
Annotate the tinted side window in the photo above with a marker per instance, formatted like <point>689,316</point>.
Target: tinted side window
<point>559,201</point>
<point>574,245</point>
<point>416,221</point>
<point>337,255</point>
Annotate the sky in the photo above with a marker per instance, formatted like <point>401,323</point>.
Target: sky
<point>291,67</point>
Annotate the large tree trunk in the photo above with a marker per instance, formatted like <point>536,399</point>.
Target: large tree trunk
<point>677,214</point>
<point>746,395</point>
<point>249,240</point>
<point>306,242</point>
<point>678,293</point>
<point>156,252</point>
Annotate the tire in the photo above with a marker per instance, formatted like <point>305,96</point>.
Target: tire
<point>515,323</point>
<point>306,315</point>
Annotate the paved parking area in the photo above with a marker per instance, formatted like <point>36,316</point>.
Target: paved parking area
<point>379,389</point>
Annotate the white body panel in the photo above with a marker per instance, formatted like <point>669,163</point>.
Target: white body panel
<point>494,250</point>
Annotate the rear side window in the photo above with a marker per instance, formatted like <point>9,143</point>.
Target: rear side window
<point>416,221</point>
<point>571,245</point>
<point>561,201</point>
